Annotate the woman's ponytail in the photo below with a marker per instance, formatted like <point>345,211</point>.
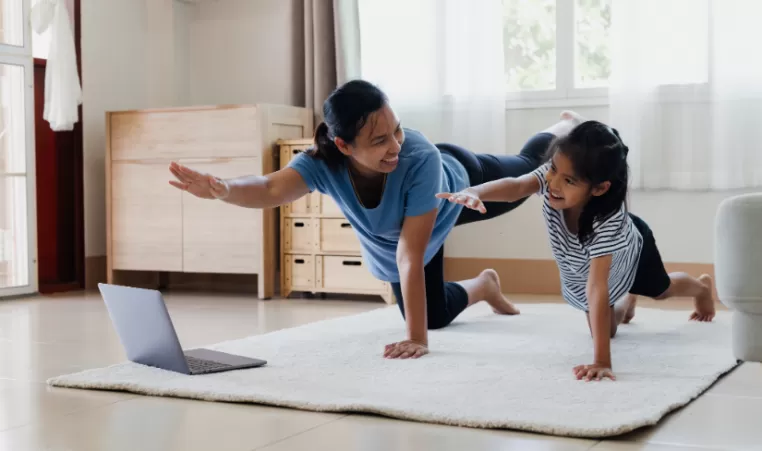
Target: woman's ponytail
<point>325,149</point>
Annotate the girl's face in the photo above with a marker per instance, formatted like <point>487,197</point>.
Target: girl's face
<point>566,189</point>
<point>377,145</point>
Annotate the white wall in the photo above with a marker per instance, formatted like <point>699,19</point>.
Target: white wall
<point>113,77</point>
<point>163,53</point>
<point>183,13</point>
<point>683,222</point>
<point>247,51</point>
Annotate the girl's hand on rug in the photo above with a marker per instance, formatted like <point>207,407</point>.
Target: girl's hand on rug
<point>407,349</point>
<point>594,372</point>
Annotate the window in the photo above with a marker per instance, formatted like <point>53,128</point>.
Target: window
<point>592,54</point>
<point>18,273</point>
<point>14,231</point>
<point>529,42</point>
<point>11,23</point>
<point>562,49</point>
<point>554,47</point>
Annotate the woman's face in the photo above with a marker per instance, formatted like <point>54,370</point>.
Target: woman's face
<point>377,145</point>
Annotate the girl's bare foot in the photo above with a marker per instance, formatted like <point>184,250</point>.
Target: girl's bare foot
<point>704,303</point>
<point>494,295</point>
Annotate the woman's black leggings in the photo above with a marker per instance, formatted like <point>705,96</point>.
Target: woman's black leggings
<point>445,300</point>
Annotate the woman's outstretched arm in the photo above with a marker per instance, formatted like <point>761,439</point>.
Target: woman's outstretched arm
<point>253,191</point>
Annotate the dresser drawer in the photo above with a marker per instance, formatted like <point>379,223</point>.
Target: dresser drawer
<point>146,218</point>
<point>289,152</point>
<point>186,133</point>
<point>326,206</point>
<point>345,273</point>
<point>300,272</point>
<point>338,235</point>
<point>300,206</point>
<point>299,234</point>
<point>219,237</point>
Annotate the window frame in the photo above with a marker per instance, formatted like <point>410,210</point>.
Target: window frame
<point>26,32</point>
<point>22,56</point>
<point>567,95</point>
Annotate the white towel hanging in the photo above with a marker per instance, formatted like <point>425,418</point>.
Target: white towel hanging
<point>63,93</point>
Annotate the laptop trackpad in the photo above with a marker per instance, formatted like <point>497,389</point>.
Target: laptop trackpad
<point>222,357</point>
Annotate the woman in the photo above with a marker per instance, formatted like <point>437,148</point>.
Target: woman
<point>385,180</point>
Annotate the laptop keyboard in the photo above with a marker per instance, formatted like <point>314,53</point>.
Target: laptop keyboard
<point>204,366</point>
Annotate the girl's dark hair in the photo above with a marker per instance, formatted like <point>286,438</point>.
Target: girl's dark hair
<point>345,112</point>
<point>597,154</point>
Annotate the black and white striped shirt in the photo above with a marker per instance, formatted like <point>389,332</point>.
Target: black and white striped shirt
<point>616,235</point>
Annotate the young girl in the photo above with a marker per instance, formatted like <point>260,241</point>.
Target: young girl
<point>606,256</point>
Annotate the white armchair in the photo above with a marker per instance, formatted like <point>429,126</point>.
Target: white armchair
<point>738,269</point>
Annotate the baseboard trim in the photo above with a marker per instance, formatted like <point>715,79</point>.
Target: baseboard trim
<point>521,276</point>
<point>525,276</point>
<point>96,272</point>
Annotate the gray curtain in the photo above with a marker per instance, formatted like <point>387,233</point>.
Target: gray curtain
<point>319,53</point>
<point>331,48</point>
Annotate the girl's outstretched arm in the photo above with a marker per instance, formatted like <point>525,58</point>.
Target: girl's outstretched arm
<point>600,321</point>
<point>509,189</point>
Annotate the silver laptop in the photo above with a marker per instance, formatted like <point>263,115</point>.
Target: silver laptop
<point>142,322</point>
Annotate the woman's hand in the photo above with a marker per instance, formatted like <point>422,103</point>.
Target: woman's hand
<point>594,372</point>
<point>467,198</point>
<point>407,349</point>
<point>197,183</point>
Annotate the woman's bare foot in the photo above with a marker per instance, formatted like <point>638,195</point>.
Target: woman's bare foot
<point>629,314</point>
<point>573,116</point>
<point>630,310</point>
<point>704,303</point>
<point>624,309</point>
<point>494,295</point>
<point>569,120</point>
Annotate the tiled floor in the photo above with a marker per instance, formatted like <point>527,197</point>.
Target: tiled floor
<point>43,337</point>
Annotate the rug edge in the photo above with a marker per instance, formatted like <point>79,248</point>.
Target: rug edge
<point>548,429</point>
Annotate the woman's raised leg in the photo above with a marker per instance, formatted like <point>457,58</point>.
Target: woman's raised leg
<point>483,168</point>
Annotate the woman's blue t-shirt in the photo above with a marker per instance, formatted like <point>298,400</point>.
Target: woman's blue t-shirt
<point>410,190</point>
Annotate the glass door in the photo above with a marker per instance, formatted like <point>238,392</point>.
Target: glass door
<point>18,254</point>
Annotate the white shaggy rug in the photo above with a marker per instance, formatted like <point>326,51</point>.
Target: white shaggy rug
<point>483,371</point>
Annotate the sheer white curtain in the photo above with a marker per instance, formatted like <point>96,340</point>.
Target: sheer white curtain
<point>441,63</point>
<point>686,92</point>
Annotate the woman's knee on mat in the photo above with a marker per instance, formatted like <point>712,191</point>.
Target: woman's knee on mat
<point>438,320</point>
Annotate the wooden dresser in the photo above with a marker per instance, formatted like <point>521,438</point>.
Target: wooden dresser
<point>152,226</point>
<point>320,252</point>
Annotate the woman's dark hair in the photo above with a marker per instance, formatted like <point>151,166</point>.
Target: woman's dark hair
<point>597,154</point>
<point>345,112</point>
